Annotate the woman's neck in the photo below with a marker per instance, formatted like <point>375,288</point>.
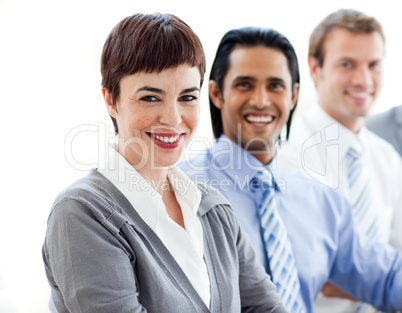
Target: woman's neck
<point>159,180</point>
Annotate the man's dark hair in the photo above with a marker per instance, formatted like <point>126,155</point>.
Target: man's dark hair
<point>249,37</point>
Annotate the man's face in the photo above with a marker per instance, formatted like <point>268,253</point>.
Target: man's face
<point>350,77</point>
<point>256,99</point>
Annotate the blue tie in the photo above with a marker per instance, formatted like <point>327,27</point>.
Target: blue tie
<point>278,247</point>
<point>362,199</point>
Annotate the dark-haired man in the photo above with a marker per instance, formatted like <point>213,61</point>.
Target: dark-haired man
<point>330,142</point>
<point>253,92</point>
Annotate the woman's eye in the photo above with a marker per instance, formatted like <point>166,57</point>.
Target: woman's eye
<point>187,98</point>
<point>149,99</point>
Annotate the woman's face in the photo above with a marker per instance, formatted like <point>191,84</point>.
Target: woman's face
<point>156,114</point>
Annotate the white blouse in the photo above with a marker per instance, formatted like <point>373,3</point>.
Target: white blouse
<point>185,245</point>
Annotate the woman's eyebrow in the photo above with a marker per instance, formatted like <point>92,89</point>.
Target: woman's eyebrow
<point>151,89</point>
<point>190,90</point>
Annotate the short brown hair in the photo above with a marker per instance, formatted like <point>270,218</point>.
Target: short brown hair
<point>351,20</point>
<point>148,43</point>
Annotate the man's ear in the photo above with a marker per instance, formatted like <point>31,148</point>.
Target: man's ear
<point>295,95</point>
<point>315,69</point>
<point>109,103</point>
<point>215,94</point>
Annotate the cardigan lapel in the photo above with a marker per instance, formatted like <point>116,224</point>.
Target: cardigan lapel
<point>215,296</point>
<point>171,264</point>
<point>161,251</point>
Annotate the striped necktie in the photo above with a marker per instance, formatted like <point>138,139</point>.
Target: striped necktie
<point>277,246</point>
<point>364,208</point>
<point>362,197</point>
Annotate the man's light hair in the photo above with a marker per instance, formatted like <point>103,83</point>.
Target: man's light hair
<point>354,21</point>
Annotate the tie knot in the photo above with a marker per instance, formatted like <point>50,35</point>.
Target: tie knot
<point>354,153</point>
<point>263,180</point>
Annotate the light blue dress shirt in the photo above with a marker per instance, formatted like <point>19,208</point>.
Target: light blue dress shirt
<point>319,225</point>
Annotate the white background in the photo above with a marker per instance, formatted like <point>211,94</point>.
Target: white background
<point>50,85</point>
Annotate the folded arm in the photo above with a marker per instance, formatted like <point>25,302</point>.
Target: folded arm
<point>370,272</point>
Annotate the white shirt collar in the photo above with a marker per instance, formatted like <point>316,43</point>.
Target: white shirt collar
<point>346,138</point>
<point>185,245</point>
<point>141,195</point>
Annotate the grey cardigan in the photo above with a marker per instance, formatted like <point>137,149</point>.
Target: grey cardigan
<point>100,256</point>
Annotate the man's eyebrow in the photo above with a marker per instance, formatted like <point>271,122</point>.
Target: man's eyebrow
<point>245,78</point>
<point>151,89</point>
<point>251,78</point>
<point>356,59</point>
<point>344,58</point>
<point>275,79</point>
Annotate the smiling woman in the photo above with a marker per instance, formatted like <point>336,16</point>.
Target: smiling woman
<point>150,109</point>
<point>135,234</point>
